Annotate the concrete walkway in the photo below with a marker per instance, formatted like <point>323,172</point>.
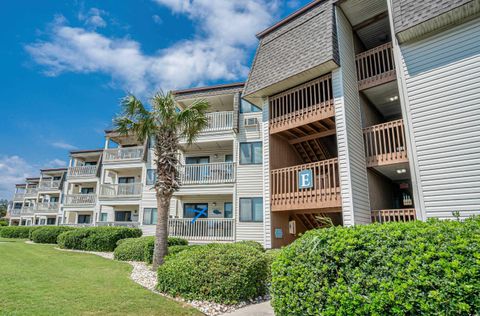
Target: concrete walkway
<point>262,309</point>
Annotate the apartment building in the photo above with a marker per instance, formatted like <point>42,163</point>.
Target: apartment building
<point>354,111</point>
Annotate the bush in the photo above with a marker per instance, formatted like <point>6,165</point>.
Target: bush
<point>141,249</point>
<point>251,243</point>
<point>271,255</point>
<point>96,238</point>
<point>48,234</point>
<point>3,222</point>
<point>15,232</point>
<point>173,250</point>
<point>32,229</point>
<point>416,268</point>
<point>224,273</point>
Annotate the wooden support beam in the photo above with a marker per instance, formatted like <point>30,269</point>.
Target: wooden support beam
<point>313,136</point>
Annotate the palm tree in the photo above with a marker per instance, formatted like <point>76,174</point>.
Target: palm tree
<point>166,124</point>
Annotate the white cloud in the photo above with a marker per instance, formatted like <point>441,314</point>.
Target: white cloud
<point>13,170</point>
<point>219,50</point>
<point>56,163</point>
<point>93,18</point>
<point>157,19</point>
<point>63,145</point>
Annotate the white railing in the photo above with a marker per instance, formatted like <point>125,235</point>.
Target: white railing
<point>220,229</point>
<point>219,121</point>
<point>123,154</point>
<point>48,207</point>
<point>80,199</point>
<point>31,191</point>
<point>120,190</point>
<point>19,196</point>
<point>28,210</point>
<point>77,225</point>
<point>50,184</point>
<point>82,171</point>
<point>208,173</point>
<point>15,211</point>
<point>119,224</point>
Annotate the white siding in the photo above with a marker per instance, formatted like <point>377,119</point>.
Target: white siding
<point>443,88</point>
<point>351,154</point>
<point>266,178</point>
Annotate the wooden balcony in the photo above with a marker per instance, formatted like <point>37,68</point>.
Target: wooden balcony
<point>82,171</point>
<point>375,66</point>
<point>385,144</point>
<point>127,154</point>
<point>80,199</point>
<point>208,173</point>
<point>394,215</point>
<point>203,229</point>
<point>219,121</point>
<point>306,104</point>
<point>325,192</point>
<point>122,190</point>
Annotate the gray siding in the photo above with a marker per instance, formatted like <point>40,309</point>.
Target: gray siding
<point>351,154</point>
<point>441,80</point>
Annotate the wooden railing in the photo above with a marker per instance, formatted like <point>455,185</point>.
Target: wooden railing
<point>118,224</point>
<point>213,229</point>
<point>394,215</point>
<point>121,190</point>
<point>80,199</point>
<point>123,154</point>
<point>219,121</point>
<point>375,66</point>
<point>306,103</point>
<point>385,143</point>
<point>48,207</point>
<point>50,184</point>
<point>324,192</point>
<point>82,171</point>
<point>208,173</point>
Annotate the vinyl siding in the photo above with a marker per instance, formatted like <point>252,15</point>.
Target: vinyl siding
<point>266,178</point>
<point>441,79</point>
<point>351,154</point>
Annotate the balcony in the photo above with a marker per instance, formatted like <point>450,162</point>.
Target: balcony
<point>122,190</point>
<point>375,66</point>
<point>31,192</point>
<point>118,224</point>
<point>127,154</point>
<point>83,171</point>
<point>28,210</point>
<point>213,229</point>
<point>15,212</point>
<point>219,121</point>
<point>324,193</point>
<point>209,173</point>
<point>49,185</point>
<point>19,196</point>
<point>48,207</point>
<point>80,199</point>
<point>306,104</point>
<point>394,215</point>
<point>385,144</point>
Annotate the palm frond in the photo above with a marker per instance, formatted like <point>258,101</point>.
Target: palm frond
<point>135,119</point>
<point>192,120</point>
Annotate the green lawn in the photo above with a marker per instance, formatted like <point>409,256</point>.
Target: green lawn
<point>40,280</point>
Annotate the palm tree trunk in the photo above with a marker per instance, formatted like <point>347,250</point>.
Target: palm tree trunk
<point>161,230</point>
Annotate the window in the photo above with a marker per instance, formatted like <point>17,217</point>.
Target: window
<point>50,221</point>
<point>90,163</point>
<point>86,190</point>
<point>228,158</point>
<point>84,219</point>
<point>197,160</point>
<point>190,210</point>
<point>228,210</point>
<point>42,221</point>
<point>54,199</point>
<point>17,206</point>
<point>149,216</point>
<point>103,217</point>
<point>251,209</point>
<point>250,153</point>
<point>123,216</point>
<point>126,180</point>
<point>151,176</point>
<point>247,107</point>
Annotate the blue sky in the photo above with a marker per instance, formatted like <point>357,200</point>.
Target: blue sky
<point>66,64</point>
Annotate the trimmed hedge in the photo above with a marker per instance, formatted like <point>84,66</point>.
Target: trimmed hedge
<point>96,238</point>
<point>15,232</point>
<point>141,249</point>
<point>251,243</point>
<point>223,273</point>
<point>3,222</point>
<point>32,229</point>
<point>416,268</point>
<point>48,234</point>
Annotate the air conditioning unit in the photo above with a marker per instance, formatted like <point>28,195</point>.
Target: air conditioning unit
<point>292,227</point>
<point>250,122</point>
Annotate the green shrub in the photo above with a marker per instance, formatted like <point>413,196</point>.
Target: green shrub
<point>173,250</point>
<point>271,255</point>
<point>48,234</point>
<point>32,229</point>
<point>3,222</point>
<point>224,273</point>
<point>141,249</point>
<point>150,246</point>
<point>177,241</point>
<point>96,238</point>
<point>251,243</point>
<point>416,268</point>
<point>15,232</point>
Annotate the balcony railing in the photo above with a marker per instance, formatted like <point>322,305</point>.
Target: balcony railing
<point>48,207</point>
<point>126,190</point>
<point>385,143</point>
<point>307,103</point>
<point>77,225</point>
<point>19,196</point>
<point>219,121</point>
<point>209,173</point>
<point>31,192</point>
<point>15,211</point>
<point>28,210</point>
<point>375,66</point>
<point>118,224</point>
<point>394,215</point>
<point>80,199</point>
<point>324,191</point>
<point>202,229</point>
<point>50,184</point>
<point>82,171</point>
<point>123,154</point>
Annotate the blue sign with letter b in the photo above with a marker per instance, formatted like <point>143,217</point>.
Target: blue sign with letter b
<point>305,179</point>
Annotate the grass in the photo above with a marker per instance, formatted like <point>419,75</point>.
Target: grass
<point>40,280</point>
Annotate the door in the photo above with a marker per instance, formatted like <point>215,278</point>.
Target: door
<point>191,210</point>
<point>84,219</point>
<point>126,185</point>
<point>228,210</point>
<point>123,216</point>
<point>197,172</point>
<point>86,190</point>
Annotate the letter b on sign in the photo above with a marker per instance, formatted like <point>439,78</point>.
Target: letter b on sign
<point>305,179</point>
